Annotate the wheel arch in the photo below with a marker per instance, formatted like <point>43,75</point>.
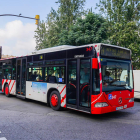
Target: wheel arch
<point>49,93</point>
<point>5,85</point>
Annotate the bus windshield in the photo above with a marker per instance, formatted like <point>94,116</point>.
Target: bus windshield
<point>116,75</point>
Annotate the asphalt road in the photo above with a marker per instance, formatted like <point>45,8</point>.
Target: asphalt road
<point>32,120</point>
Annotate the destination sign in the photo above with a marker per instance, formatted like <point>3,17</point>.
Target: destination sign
<point>115,52</point>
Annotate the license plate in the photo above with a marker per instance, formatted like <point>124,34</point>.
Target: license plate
<point>119,108</point>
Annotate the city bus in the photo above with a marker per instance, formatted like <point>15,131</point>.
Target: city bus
<point>95,78</point>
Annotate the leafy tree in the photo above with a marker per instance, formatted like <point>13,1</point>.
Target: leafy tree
<point>120,10</point>
<point>91,29</point>
<point>40,36</point>
<point>63,18</point>
<point>69,11</point>
<point>123,19</point>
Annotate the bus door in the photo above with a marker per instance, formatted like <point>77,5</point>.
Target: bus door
<point>78,84</point>
<point>21,77</point>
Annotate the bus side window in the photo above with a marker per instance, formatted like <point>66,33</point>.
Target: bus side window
<point>35,74</point>
<point>7,74</point>
<point>96,82</point>
<point>62,75</point>
<point>55,73</point>
<point>46,74</point>
<point>14,69</point>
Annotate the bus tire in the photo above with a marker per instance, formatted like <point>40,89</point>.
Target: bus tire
<point>55,101</point>
<point>6,90</point>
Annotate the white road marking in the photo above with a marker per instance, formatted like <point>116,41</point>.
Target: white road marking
<point>3,138</point>
<point>0,131</point>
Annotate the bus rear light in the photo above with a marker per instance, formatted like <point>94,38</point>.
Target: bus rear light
<point>131,100</point>
<point>101,104</point>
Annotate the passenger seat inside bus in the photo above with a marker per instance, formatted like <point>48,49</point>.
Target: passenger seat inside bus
<point>51,79</point>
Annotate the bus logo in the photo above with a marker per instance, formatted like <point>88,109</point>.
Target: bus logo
<point>120,100</point>
<point>110,96</point>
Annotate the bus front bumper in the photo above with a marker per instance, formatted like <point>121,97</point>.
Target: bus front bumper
<point>102,110</point>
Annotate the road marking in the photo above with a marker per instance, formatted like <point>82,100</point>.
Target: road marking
<point>0,131</point>
<point>3,138</point>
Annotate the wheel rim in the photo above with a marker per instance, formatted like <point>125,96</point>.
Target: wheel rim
<point>6,90</point>
<point>54,100</point>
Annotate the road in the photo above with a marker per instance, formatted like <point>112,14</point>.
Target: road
<point>32,120</point>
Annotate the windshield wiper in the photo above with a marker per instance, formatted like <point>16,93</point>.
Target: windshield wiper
<point>126,87</point>
<point>120,85</point>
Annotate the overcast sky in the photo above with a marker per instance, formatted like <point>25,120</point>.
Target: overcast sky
<point>17,34</point>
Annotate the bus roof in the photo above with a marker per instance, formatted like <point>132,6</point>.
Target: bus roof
<point>67,47</point>
<point>64,47</point>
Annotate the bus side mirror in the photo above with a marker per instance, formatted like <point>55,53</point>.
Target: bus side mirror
<point>94,63</point>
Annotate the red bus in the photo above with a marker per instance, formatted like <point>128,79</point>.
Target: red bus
<point>94,78</point>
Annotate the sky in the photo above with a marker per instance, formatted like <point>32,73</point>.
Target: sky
<point>17,34</point>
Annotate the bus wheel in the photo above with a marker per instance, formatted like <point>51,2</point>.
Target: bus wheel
<point>55,100</point>
<point>6,90</point>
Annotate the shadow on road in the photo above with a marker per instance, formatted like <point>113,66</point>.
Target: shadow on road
<point>137,100</point>
<point>102,117</point>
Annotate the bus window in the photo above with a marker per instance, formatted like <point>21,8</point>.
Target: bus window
<point>71,80</point>
<point>54,74</point>
<point>7,74</point>
<point>62,74</point>
<point>96,82</point>
<point>116,75</point>
<point>35,74</point>
<point>46,74</point>
<point>14,69</point>
<point>84,94</point>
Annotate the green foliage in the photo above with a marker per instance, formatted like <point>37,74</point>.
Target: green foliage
<point>91,29</point>
<point>69,11</point>
<point>120,10</point>
<point>62,19</point>
<point>69,25</point>
<point>123,18</point>
<point>40,36</point>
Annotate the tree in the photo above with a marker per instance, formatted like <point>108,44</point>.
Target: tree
<point>120,10</point>
<point>123,19</point>
<point>63,18</point>
<point>40,36</point>
<point>69,11</point>
<point>91,29</point>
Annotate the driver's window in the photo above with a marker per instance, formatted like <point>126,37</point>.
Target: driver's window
<point>84,82</point>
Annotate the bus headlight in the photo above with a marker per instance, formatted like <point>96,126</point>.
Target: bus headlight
<point>131,100</point>
<point>101,104</point>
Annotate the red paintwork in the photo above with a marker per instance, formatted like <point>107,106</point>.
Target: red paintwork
<point>113,103</point>
<point>12,86</point>
<point>6,90</point>
<point>54,100</point>
<point>94,63</point>
<point>4,83</point>
<point>63,98</point>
